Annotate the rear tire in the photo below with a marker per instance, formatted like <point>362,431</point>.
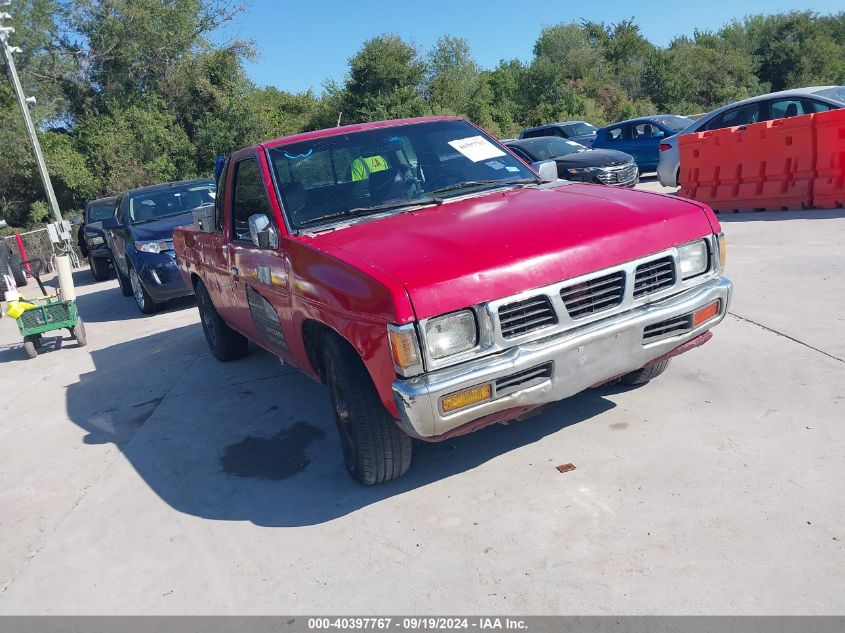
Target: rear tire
<point>99,268</point>
<point>225,344</point>
<point>30,347</point>
<point>78,332</point>
<point>123,282</point>
<point>643,375</point>
<point>375,449</point>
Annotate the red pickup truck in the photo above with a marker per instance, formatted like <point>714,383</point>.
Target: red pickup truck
<point>436,284</point>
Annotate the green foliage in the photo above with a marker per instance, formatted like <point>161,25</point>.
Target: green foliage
<point>133,92</point>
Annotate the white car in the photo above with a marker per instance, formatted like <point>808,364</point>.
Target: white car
<point>775,105</point>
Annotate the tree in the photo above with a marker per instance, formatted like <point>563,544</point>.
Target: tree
<point>452,77</point>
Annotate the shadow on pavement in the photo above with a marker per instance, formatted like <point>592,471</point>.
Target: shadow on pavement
<point>254,440</point>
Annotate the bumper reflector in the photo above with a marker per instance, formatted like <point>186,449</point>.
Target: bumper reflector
<point>705,314</point>
<point>465,398</point>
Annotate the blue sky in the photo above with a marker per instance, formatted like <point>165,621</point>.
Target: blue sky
<point>304,42</point>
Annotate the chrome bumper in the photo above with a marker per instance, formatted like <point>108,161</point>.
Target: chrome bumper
<point>580,358</point>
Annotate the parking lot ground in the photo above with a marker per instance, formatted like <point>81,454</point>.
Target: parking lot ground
<point>142,476</point>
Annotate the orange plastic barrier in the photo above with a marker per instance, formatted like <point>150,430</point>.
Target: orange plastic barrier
<point>829,184</point>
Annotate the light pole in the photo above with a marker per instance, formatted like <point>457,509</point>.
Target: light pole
<point>62,259</point>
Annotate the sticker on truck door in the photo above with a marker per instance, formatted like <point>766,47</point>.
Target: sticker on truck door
<point>266,319</point>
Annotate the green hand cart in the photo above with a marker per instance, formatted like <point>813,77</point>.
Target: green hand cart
<point>53,314</point>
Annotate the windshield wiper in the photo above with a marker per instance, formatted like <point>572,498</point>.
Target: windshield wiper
<point>476,183</point>
<point>161,217</point>
<point>361,211</point>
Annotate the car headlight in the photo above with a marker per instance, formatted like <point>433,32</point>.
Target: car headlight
<point>153,246</point>
<point>93,241</point>
<point>451,334</point>
<point>694,259</point>
<point>582,170</point>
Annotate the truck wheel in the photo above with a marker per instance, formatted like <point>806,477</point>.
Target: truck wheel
<point>123,282</point>
<point>142,297</point>
<point>375,449</point>
<point>78,332</point>
<point>99,267</point>
<point>29,346</point>
<point>225,344</point>
<point>16,268</point>
<point>644,374</point>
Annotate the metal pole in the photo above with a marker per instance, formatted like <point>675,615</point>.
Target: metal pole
<point>30,129</point>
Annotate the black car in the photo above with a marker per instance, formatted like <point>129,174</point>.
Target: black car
<point>576,162</point>
<point>141,239</point>
<point>92,240</point>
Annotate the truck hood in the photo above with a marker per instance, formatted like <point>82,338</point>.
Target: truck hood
<point>483,248</point>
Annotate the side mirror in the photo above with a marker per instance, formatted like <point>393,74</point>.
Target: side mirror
<point>547,169</point>
<point>110,223</point>
<point>262,232</point>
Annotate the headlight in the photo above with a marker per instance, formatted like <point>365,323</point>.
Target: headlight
<point>93,241</point>
<point>451,334</point>
<point>152,247</point>
<point>694,259</point>
<point>582,170</point>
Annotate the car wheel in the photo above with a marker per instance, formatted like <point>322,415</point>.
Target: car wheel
<point>16,268</point>
<point>78,332</point>
<point>225,344</point>
<point>99,268</point>
<point>142,297</point>
<point>678,177</point>
<point>123,282</point>
<point>644,374</point>
<point>29,346</point>
<point>375,449</point>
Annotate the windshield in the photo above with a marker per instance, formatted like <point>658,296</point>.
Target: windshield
<point>837,93</point>
<point>580,129</point>
<point>361,173</point>
<point>175,200</point>
<point>100,210</point>
<point>674,123</point>
<point>550,147</point>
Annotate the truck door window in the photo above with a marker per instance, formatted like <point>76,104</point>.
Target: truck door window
<point>249,198</point>
<point>220,197</point>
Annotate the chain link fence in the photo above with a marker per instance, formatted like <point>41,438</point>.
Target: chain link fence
<point>38,244</point>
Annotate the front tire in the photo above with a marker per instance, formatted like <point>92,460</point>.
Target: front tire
<point>29,347</point>
<point>142,297</point>
<point>375,449</point>
<point>644,374</point>
<point>123,282</point>
<point>225,344</point>
<point>78,332</point>
<point>99,268</point>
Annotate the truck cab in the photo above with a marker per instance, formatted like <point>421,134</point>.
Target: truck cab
<point>436,284</point>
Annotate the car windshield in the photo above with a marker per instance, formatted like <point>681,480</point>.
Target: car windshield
<point>174,200</point>
<point>674,122</point>
<point>580,129</point>
<point>550,147</point>
<point>379,170</point>
<point>100,210</point>
<point>837,93</point>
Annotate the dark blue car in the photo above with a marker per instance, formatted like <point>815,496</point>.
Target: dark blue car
<point>140,238</point>
<point>641,137</point>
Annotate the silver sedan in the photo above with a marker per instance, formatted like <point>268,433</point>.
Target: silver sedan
<point>775,105</point>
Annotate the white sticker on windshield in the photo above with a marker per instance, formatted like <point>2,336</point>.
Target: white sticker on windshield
<point>494,164</point>
<point>512,168</point>
<point>476,148</point>
<point>574,144</point>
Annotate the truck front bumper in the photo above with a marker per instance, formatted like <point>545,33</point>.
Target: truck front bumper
<point>559,366</point>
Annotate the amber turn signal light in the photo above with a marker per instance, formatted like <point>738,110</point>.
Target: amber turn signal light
<point>723,250</point>
<point>403,346</point>
<point>705,314</point>
<point>465,398</point>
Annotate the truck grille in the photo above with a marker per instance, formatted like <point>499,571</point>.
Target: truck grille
<point>653,276</point>
<point>617,175</point>
<point>523,379</point>
<point>595,295</point>
<point>669,327</point>
<point>525,316</point>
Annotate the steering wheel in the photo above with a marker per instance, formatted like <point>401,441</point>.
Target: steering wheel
<point>444,179</point>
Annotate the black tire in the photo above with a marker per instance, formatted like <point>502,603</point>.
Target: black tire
<point>225,344</point>
<point>78,332</point>
<point>4,269</point>
<point>29,347</point>
<point>644,374</point>
<point>99,267</point>
<point>142,298</point>
<point>16,267</point>
<point>375,449</point>
<point>123,282</point>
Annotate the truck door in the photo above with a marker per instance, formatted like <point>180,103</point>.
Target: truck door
<point>259,276</point>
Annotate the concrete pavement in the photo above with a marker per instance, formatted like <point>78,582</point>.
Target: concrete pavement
<point>142,476</point>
